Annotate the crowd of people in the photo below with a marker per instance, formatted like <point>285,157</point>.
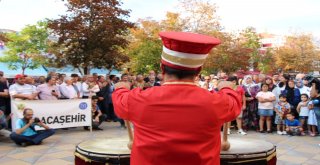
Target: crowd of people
<point>276,101</point>
<point>279,102</point>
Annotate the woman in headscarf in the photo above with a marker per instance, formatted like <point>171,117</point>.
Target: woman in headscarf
<point>250,114</point>
<point>293,96</point>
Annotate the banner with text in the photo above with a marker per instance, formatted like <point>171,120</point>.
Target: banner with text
<point>55,113</point>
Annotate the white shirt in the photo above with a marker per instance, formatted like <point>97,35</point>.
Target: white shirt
<point>68,91</point>
<point>265,95</point>
<point>304,111</point>
<point>87,92</point>
<point>79,86</point>
<point>305,90</point>
<point>25,89</point>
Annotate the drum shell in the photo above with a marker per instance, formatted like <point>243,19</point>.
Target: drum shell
<point>102,151</point>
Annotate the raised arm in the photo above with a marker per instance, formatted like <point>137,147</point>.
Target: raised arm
<point>120,100</point>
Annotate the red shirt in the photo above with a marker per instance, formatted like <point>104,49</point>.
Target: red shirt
<point>176,124</point>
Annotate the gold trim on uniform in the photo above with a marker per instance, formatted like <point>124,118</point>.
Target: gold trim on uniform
<point>184,61</point>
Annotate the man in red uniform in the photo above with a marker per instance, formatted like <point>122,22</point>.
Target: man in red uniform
<point>178,123</point>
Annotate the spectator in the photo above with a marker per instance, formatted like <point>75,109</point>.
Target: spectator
<point>159,79</point>
<point>52,74</point>
<point>261,79</point>
<point>293,126</point>
<point>281,108</point>
<point>104,100</point>
<point>302,88</point>
<point>293,96</point>
<point>4,123</point>
<point>95,77</point>
<point>3,79</point>
<point>152,82</point>
<point>240,90</point>
<point>265,107</point>
<point>283,82</point>
<point>41,80</point>
<point>198,81</point>
<point>207,84</point>
<point>68,90</point>
<point>97,116</point>
<point>20,90</point>
<point>256,79</point>
<point>90,87</point>
<point>30,80</point>
<point>139,83</point>
<point>26,134</point>
<point>49,90</point>
<point>151,73</point>
<point>249,117</point>
<point>101,81</point>
<point>312,120</point>
<point>303,109</point>
<point>84,79</point>
<point>4,94</point>
<point>77,84</point>
<point>61,78</point>
<point>214,83</point>
<point>269,82</point>
<point>275,79</point>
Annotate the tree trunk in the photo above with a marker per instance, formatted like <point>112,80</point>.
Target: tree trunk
<point>80,71</point>
<point>110,70</point>
<point>23,69</point>
<point>86,70</point>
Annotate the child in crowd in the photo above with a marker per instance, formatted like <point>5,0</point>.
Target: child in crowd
<point>282,108</point>
<point>303,109</point>
<point>293,126</point>
<point>312,120</point>
<point>265,107</point>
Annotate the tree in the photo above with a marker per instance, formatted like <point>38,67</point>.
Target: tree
<point>27,48</point>
<point>297,54</point>
<point>266,61</point>
<point>92,34</point>
<point>229,56</point>
<point>199,16</point>
<point>145,47</point>
<point>3,37</point>
<point>251,40</point>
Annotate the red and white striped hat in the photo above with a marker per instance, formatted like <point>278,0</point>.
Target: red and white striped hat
<point>186,51</point>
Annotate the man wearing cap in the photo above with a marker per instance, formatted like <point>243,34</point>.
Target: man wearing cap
<point>178,123</point>
<point>23,91</point>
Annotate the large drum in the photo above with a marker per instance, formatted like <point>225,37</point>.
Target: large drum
<point>103,151</point>
<point>249,152</point>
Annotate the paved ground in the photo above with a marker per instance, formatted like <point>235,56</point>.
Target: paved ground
<point>59,149</point>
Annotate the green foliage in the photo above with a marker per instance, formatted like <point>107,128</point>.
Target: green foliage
<point>146,56</point>
<point>26,49</point>
<point>250,41</point>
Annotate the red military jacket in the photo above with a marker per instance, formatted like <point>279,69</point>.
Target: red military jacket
<point>176,124</point>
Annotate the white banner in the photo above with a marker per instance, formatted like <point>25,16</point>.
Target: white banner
<point>55,113</point>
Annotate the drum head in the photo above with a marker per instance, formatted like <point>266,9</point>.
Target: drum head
<point>247,146</point>
<point>105,146</point>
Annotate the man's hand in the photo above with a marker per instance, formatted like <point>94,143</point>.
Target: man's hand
<point>100,98</point>
<point>97,119</point>
<point>31,121</point>
<point>54,94</point>
<point>224,84</point>
<point>122,85</point>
